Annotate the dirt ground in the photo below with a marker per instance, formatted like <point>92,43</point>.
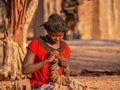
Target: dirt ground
<point>100,82</point>
<point>92,83</point>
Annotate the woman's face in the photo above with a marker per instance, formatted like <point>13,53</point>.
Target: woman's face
<point>55,37</point>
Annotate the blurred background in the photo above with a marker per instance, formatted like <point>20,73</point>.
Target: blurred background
<point>87,19</point>
<point>94,35</point>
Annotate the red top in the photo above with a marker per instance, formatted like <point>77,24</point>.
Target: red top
<point>42,76</point>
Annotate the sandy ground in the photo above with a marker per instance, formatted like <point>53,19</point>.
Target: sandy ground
<point>92,83</point>
<point>100,83</point>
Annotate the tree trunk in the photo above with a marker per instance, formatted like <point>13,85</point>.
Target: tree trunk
<point>20,15</point>
<point>28,17</point>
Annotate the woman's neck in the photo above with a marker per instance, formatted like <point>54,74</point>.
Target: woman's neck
<point>49,40</point>
<point>52,44</point>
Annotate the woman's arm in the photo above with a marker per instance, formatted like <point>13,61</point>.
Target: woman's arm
<point>29,66</point>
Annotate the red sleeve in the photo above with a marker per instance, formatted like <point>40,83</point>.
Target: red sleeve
<point>33,46</point>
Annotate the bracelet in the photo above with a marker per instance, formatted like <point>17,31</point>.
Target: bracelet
<point>67,68</point>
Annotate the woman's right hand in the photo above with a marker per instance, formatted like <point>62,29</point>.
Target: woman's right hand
<point>53,55</point>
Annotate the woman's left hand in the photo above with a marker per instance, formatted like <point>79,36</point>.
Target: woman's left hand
<point>64,62</point>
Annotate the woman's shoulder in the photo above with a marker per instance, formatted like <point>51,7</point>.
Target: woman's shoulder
<point>41,40</point>
<point>64,43</point>
<point>36,41</point>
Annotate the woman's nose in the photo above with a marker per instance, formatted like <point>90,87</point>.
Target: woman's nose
<point>57,38</point>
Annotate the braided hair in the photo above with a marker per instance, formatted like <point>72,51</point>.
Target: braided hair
<point>56,24</point>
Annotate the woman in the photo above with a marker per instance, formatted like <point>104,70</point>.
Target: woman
<point>41,52</point>
<point>47,57</point>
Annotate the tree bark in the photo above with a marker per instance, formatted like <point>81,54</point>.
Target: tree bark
<point>28,18</point>
<point>20,16</point>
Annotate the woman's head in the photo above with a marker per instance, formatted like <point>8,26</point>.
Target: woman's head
<point>55,37</point>
<point>56,24</point>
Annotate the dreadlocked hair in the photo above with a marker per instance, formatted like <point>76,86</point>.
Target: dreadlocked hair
<point>56,24</point>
